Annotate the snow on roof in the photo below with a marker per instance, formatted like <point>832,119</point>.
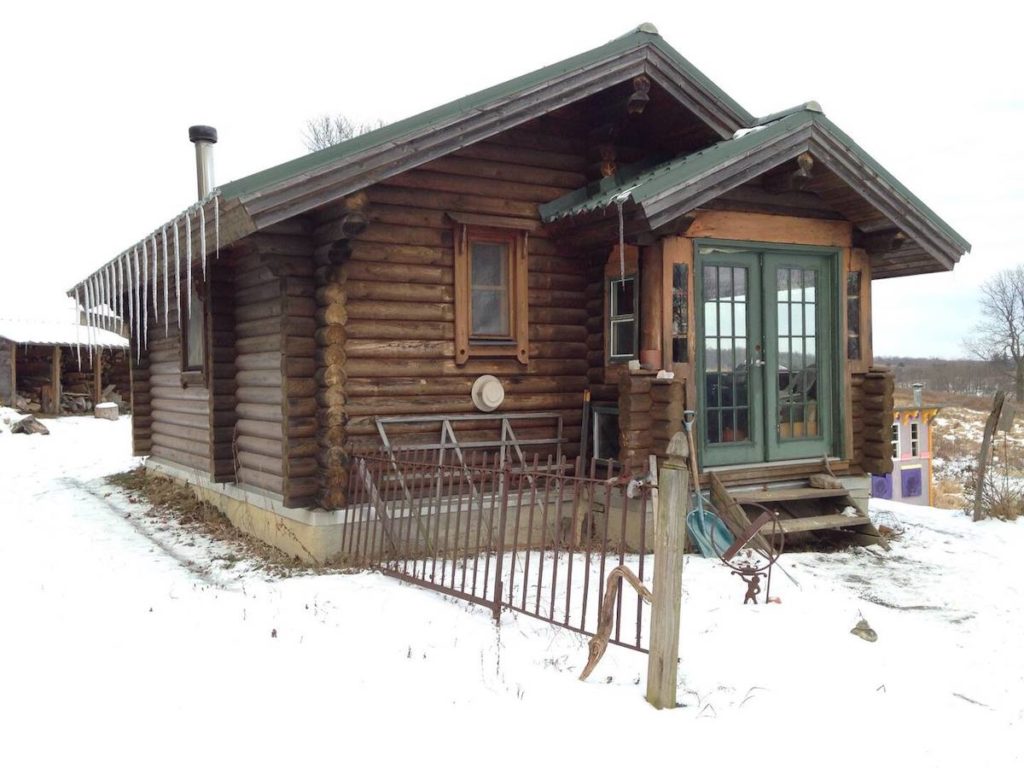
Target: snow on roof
<point>70,334</point>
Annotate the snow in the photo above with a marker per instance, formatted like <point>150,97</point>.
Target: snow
<point>133,641</point>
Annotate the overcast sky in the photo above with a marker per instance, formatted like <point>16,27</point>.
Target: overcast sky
<point>98,98</point>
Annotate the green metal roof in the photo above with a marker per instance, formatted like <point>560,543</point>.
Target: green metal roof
<point>643,186</point>
<point>393,134</point>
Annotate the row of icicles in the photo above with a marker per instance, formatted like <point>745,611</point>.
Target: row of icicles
<point>123,284</point>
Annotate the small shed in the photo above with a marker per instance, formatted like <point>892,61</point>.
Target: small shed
<point>56,368</point>
<point>911,478</point>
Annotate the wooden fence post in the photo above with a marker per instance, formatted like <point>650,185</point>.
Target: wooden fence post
<point>986,443</point>
<point>669,542</point>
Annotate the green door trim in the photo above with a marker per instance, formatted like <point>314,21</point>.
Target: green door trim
<point>765,442</point>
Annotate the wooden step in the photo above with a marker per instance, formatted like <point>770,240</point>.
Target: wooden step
<point>818,523</point>
<point>788,494</point>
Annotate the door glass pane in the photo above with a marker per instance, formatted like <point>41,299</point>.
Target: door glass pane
<point>797,369</point>
<point>680,314</point>
<point>725,354</point>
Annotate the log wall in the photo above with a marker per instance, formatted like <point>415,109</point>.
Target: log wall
<point>275,407</point>
<point>7,372</point>
<point>398,284</point>
<point>178,407</point>
<point>871,394</point>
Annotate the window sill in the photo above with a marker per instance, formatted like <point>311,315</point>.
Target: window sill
<point>192,379</point>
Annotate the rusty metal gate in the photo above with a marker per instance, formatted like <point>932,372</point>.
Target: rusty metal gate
<point>537,537</point>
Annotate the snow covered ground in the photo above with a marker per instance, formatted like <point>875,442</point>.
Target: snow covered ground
<point>124,641</point>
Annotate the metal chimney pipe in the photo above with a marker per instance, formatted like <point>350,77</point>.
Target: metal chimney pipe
<point>204,137</point>
<point>918,394</point>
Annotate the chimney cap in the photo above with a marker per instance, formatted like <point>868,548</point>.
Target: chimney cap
<point>202,133</point>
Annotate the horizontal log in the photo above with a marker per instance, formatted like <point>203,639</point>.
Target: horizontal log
<point>257,344</point>
<point>266,464</point>
<point>400,310</point>
<point>193,447</point>
<point>378,291</point>
<point>258,361</point>
<point>371,367</point>
<point>263,480</point>
<point>184,458</point>
<point>260,378</point>
<point>399,330</point>
<point>401,273</point>
<point>393,192</point>
<point>180,406</point>
<point>440,404</point>
<point>194,434</point>
<point>330,335</point>
<point>264,446</point>
<point>417,255</point>
<point>298,346</point>
<point>264,395</point>
<point>458,385</point>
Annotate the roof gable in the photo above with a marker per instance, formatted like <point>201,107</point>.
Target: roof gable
<point>669,190</point>
<point>297,186</point>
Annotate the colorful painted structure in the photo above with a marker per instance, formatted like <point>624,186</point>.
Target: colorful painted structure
<point>911,478</point>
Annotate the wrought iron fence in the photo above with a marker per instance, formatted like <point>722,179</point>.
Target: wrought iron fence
<point>538,537</point>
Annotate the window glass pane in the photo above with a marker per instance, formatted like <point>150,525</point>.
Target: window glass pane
<point>680,313</point>
<point>622,297</point>
<point>489,286</point>
<point>490,313</point>
<point>195,343</point>
<point>622,338</point>
<point>853,315</point>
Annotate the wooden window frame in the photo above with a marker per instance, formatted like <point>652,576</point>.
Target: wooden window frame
<point>516,344</point>
<point>895,437</point>
<point>192,376</point>
<point>915,439</point>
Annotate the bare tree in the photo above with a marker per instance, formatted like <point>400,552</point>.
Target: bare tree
<point>327,130</point>
<point>1000,334</point>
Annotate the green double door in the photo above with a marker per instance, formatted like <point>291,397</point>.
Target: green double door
<point>765,384</point>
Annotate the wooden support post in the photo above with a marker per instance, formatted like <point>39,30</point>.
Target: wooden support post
<point>55,379</point>
<point>669,543</point>
<point>986,444</point>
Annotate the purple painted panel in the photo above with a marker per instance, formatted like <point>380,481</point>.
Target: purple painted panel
<point>881,486</point>
<point>910,482</point>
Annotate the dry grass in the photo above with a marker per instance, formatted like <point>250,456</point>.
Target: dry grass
<point>948,493</point>
<point>173,502</point>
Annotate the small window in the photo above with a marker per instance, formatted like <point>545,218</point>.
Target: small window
<point>194,333</point>
<point>896,441</point>
<point>853,348</point>
<point>622,326</point>
<point>680,314</point>
<point>605,433</point>
<point>915,439</point>
<point>490,312</point>
<point>490,293</point>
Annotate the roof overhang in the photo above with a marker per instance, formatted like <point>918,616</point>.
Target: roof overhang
<point>671,191</point>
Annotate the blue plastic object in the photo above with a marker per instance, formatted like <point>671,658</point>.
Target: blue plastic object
<point>708,532</point>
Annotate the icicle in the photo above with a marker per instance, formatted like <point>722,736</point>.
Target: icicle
<point>167,303</point>
<point>119,292</point>
<point>88,316</point>
<point>202,237</point>
<point>216,223</point>
<point>108,279</point>
<point>78,324</point>
<point>145,294</point>
<point>138,305</point>
<point>156,285</point>
<point>188,263</point>
<point>128,292</point>
<point>177,273</point>
<point>622,240</point>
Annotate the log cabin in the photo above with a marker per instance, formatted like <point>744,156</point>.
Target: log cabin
<point>612,237</point>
